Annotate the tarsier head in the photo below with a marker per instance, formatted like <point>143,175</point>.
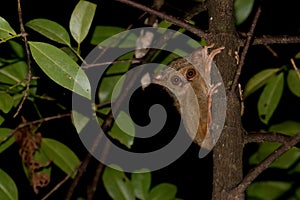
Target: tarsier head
<point>188,81</point>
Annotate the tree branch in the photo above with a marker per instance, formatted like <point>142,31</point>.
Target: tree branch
<point>22,125</point>
<point>57,186</point>
<point>198,32</point>
<point>253,174</point>
<point>29,74</point>
<point>245,49</point>
<point>278,39</point>
<point>260,137</point>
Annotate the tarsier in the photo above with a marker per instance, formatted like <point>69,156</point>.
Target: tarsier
<point>196,70</point>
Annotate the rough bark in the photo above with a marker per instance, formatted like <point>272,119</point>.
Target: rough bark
<point>227,154</point>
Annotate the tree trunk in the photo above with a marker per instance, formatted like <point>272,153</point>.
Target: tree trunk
<point>227,154</point>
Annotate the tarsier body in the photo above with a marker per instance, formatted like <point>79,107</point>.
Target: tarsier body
<point>193,71</point>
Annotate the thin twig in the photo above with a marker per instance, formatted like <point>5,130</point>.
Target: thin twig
<point>22,125</point>
<point>295,67</point>
<point>254,173</point>
<point>81,170</point>
<point>245,49</point>
<point>132,60</point>
<point>57,186</point>
<point>198,32</point>
<point>29,74</point>
<point>260,137</point>
<point>278,39</point>
<point>92,189</point>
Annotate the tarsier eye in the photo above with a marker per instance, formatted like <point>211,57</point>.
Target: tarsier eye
<point>175,80</point>
<point>190,74</point>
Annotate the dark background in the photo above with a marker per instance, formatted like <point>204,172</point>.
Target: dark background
<point>192,176</point>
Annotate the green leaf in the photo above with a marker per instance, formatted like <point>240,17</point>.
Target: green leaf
<point>284,162</point>
<point>14,73</point>
<point>259,80</point>
<point>293,81</point>
<point>8,188</point>
<point>141,182</point>
<point>108,84</point>
<point>121,40</point>
<point>51,30</point>
<point>61,155</point>
<point>2,119</point>
<point>113,80</point>
<point>164,24</point>
<point>6,140</point>
<point>5,29</point>
<point>267,190</point>
<point>117,185</point>
<point>81,20</point>
<point>287,127</point>
<point>101,33</point>
<point>121,67</point>
<point>70,53</point>
<point>79,120</point>
<point>242,10</point>
<point>61,68</point>
<point>165,191</point>
<point>17,48</point>
<point>123,129</point>
<point>270,98</point>
<point>6,102</point>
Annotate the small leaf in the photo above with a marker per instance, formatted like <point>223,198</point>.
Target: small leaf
<point>113,80</point>
<point>141,182</point>
<point>293,81</point>
<point>124,39</point>
<point>123,129</point>
<point>61,68</point>
<point>81,20</point>
<point>164,24</point>
<point>6,140</point>
<point>117,185</point>
<point>70,53</point>
<point>267,190</point>
<point>297,56</point>
<point>8,188</point>
<point>51,30</point>
<point>101,33</point>
<point>270,98</point>
<point>286,127</point>
<point>14,73</point>
<point>6,102</point>
<point>242,10</point>
<point>2,119</point>
<point>107,86</point>
<point>5,29</point>
<point>164,191</point>
<point>17,48</point>
<point>122,67</point>
<point>259,80</point>
<point>284,162</point>
<point>61,155</point>
<point>79,120</point>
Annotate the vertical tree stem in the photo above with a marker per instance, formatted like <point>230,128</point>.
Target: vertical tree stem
<point>227,154</point>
